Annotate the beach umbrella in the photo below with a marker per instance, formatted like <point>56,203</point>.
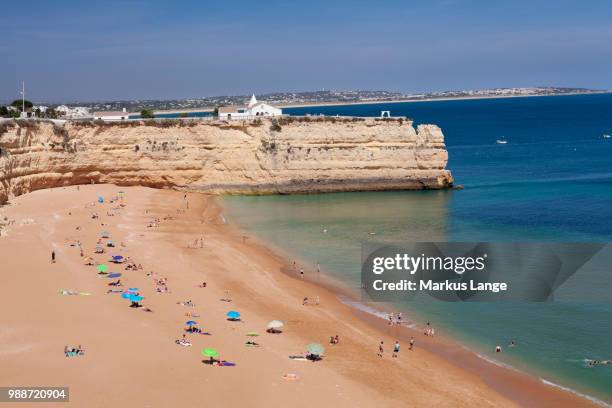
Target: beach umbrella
<point>134,289</point>
<point>117,258</point>
<point>102,268</point>
<point>100,199</point>
<point>191,323</point>
<point>113,275</point>
<point>126,295</point>
<point>252,334</point>
<point>210,352</point>
<point>136,298</point>
<point>316,349</point>
<point>99,249</point>
<point>104,234</point>
<point>275,324</point>
<point>233,314</point>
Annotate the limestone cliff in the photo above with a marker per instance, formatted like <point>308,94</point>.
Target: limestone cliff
<point>290,155</point>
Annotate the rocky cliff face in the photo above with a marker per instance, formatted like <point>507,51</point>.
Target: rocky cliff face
<point>257,157</point>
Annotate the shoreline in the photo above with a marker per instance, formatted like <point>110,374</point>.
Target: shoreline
<point>332,103</point>
<point>117,337</point>
<point>505,379</point>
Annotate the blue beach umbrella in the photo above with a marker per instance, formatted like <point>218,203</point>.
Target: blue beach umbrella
<point>135,298</point>
<point>113,275</point>
<point>126,295</point>
<point>134,289</point>
<point>233,315</point>
<point>100,199</point>
<point>117,258</point>
<point>191,323</point>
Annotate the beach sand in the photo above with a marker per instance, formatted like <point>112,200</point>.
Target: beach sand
<point>130,355</point>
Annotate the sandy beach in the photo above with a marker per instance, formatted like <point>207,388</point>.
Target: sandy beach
<point>130,355</point>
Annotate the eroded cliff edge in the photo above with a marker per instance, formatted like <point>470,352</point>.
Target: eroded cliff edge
<point>291,155</point>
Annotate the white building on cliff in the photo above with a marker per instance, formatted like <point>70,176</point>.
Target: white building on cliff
<point>253,110</point>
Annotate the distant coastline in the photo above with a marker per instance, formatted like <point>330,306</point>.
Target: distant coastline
<point>390,101</point>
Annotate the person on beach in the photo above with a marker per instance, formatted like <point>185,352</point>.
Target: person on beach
<point>390,319</point>
<point>380,349</point>
<point>302,273</point>
<point>52,256</point>
<point>399,318</point>
<point>411,344</point>
<point>305,301</point>
<point>498,349</point>
<point>396,349</point>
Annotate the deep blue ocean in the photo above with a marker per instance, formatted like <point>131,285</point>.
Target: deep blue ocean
<point>552,181</point>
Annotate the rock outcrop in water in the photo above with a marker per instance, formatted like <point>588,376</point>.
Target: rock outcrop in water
<point>290,155</point>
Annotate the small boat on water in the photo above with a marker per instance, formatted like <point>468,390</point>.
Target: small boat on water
<point>501,141</point>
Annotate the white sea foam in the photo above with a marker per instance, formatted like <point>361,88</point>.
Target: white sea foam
<point>364,308</point>
<point>592,399</point>
<point>493,361</point>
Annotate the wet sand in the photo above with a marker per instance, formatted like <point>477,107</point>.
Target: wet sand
<point>130,355</point>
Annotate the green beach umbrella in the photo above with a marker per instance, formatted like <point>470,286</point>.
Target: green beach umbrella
<point>102,268</point>
<point>252,334</point>
<point>316,349</point>
<point>210,352</point>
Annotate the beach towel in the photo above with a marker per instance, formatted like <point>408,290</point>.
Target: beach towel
<point>68,292</point>
<point>290,377</point>
<point>298,358</point>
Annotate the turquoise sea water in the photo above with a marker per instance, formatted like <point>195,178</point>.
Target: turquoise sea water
<point>551,182</point>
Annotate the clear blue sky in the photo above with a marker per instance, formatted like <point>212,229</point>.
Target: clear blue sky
<point>86,50</point>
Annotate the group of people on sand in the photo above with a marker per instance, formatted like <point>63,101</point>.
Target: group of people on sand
<point>161,285</point>
<point>197,243</point>
<point>334,339</point>
<point>74,351</point>
<point>396,348</point>
<point>306,301</point>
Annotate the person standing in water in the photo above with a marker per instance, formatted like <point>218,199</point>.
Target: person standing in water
<point>411,344</point>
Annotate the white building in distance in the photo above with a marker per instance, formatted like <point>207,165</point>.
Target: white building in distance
<point>76,112</point>
<point>112,115</point>
<point>253,110</point>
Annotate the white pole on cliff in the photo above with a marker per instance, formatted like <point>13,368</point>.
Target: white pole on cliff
<point>22,98</point>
